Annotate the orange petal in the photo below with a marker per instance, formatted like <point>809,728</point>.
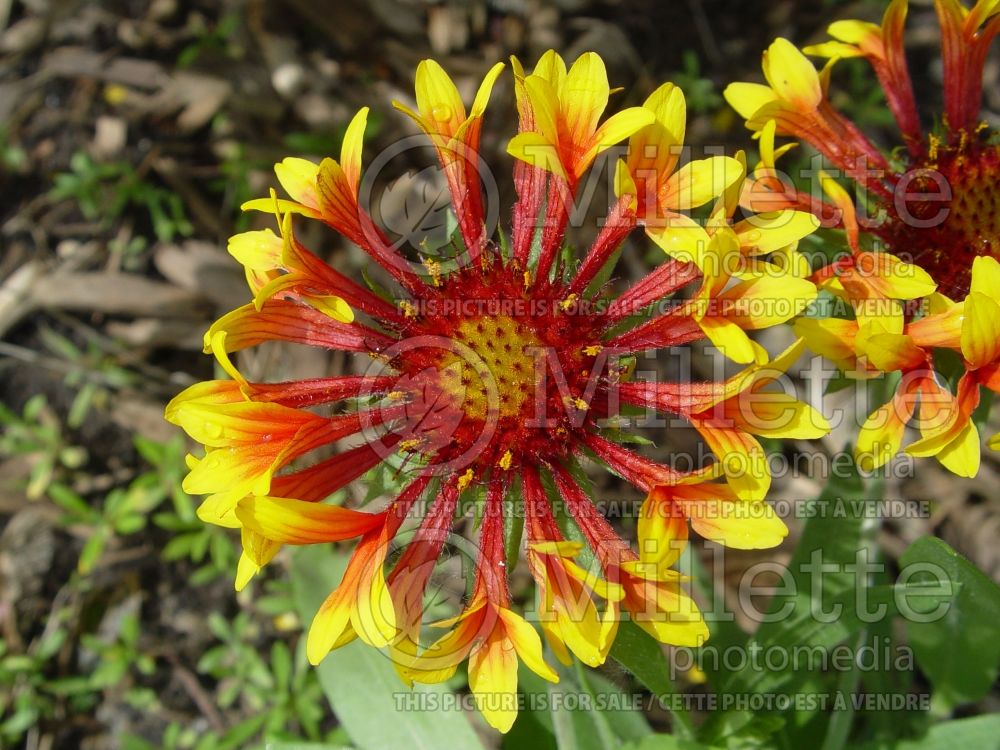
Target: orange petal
<point>980,330</point>
<point>736,523</point>
<point>662,529</point>
<point>297,522</point>
<point>493,680</point>
<point>792,76</point>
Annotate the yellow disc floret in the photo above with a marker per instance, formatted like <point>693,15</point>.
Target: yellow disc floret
<point>492,371</point>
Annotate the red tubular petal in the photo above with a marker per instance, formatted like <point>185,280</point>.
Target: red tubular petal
<point>953,59</point>
<point>665,279</point>
<point>972,90</point>
<point>409,577</point>
<point>400,508</point>
<point>461,168</point>
<point>619,223</point>
<point>317,434</point>
<point>300,393</point>
<point>491,571</point>
<point>894,75</point>
<point>282,320</point>
<point>341,211</point>
<point>529,181</point>
<point>338,204</point>
<point>530,184</point>
<point>331,281</point>
<point>322,480</point>
<point>560,203</point>
<point>673,398</point>
<point>637,470</point>
<point>673,329</point>
<point>538,514</point>
<point>602,538</point>
<point>857,145</point>
<point>840,141</point>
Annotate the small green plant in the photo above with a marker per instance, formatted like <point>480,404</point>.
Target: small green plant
<point>35,686</point>
<point>37,434</point>
<point>209,547</point>
<point>13,157</point>
<point>104,191</point>
<point>92,371</point>
<point>26,694</point>
<point>279,692</point>
<point>235,662</point>
<point>116,658</point>
<point>219,39</point>
<point>234,183</point>
<point>125,511</point>
<point>701,93</point>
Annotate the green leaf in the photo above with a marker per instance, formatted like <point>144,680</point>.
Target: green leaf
<point>72,503</point>
<point>636,650</point>
<point>977,732</point>
<point>959,652</point>
<point>603,276</point>
<point>375,708</point>
<point>154,452</point>
<point>281,665</point>
<point>92,550</point>
<point>131,742</point>
<point>981,415</point>
<point>583,711</point>
<point>667,742</point>
<point>831,540</point>
<point>20,721</point>
<point>239,735</point>
<point>34,407</point>
<point>617,710</point>
<point>81,405</point>
<point>513,523</point>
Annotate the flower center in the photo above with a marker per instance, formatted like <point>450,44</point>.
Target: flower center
<point>496,373</point>
<point>944,236</point>
<point>975,214</point>
<point>494,370</point>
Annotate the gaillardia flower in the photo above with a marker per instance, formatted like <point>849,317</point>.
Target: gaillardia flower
<point>909,277</point>
<point>937,200</point>
<point>493,373</point>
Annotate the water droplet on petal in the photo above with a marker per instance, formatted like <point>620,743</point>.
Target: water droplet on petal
<point>441,113</point>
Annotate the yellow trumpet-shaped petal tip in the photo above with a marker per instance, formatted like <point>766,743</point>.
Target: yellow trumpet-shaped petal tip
<point>792,77</point>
